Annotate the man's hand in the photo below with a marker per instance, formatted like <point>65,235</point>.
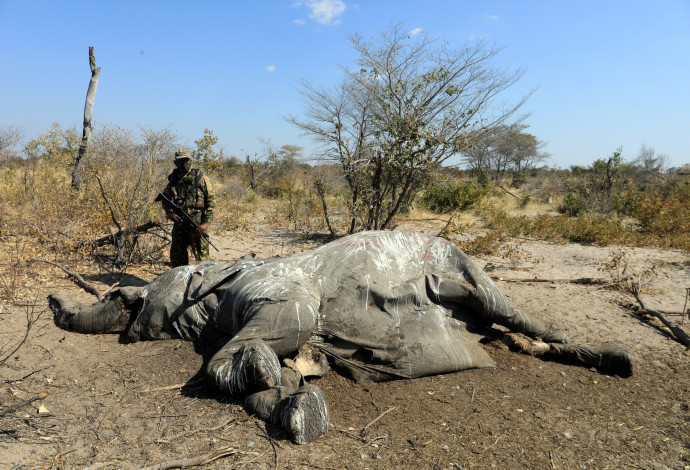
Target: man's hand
<point>174,217</point>
<point>201,229</point>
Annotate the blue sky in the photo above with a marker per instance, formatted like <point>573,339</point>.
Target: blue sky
<point>604,73</point>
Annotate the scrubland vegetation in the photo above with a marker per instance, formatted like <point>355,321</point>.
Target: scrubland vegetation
<point>114,220</point>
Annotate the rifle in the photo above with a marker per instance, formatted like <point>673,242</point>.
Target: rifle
<point>183,215</point>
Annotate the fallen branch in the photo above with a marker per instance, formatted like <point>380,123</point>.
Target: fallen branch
<point>512,194</point>
<point>678,333</point>
<point>200,460</point>
<point>580,280</point>
<point>11,408</point>
<point>77,278</point>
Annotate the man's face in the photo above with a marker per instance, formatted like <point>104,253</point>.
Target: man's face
<point>183,165</point>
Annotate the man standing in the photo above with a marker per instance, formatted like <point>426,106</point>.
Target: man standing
<point>190,189</point>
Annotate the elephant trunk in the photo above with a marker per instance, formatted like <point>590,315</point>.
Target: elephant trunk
<point>106,316</point>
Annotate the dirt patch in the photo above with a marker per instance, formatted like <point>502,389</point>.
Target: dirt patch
<point>133,405</point>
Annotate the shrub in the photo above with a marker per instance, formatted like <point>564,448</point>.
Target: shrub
<point>447,198</point>
<point>571,205</point>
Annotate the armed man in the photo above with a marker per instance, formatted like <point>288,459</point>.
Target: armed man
<point>191,191</point>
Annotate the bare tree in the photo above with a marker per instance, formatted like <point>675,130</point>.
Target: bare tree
<point>404,110</point>
<point>340,120</point>
<point>88,120</point>
<point>128,172</point>
<point>10,137</point>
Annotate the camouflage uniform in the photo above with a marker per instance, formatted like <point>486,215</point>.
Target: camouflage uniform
<point>194,193</point>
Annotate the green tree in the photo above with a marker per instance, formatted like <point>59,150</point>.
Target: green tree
<point>206,154</point>
<point>404,110</point>
<point>595,185</point>
<point>57,146</point>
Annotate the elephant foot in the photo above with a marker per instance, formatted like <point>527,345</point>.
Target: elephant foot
<point>303,415</point>
<point>554,334</point>
<point>606,358</point>
<point>254,367</point>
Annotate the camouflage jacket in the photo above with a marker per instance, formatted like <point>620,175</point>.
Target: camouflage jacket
<point>193,192</point>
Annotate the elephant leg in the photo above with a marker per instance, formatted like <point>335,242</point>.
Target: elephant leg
<point>487,301</point>
<point>606,358</point>
<point>300,410</point>
<point>609,359</point>
<point>249,361</point>
<point>106,316</point>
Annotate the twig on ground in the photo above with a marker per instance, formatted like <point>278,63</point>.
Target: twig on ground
<point>200,460</point>
<point>271,441</point>
<point>364,429</point>
<point>55,459</point>
<point>196,381</point>
<point>194,431</point>
<point>98,466</point>
<point>7,288</point>
<point>7,381</point>
<point>30,320</point>
<point>354,436</point>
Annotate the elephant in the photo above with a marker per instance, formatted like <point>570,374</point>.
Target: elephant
<point>377,305</point>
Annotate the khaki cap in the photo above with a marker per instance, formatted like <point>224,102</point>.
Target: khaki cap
<point>182,153</point>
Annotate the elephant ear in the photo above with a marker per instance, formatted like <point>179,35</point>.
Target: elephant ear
<point>128,294</point>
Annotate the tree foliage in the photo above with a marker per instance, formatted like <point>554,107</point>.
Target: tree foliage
<point>503,150</point>
<point>205,153</point>
<point>405,109</point>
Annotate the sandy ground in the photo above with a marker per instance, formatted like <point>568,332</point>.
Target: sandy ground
<point>104,404</point>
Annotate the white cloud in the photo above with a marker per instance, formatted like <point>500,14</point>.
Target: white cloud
<point>326,11</point>
<point>299,21</point>
<point>271,68</point>
<point>492,17</point>
<point>415,31</point>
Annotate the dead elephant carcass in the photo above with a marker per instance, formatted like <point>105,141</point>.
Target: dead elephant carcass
<point>380,305</point>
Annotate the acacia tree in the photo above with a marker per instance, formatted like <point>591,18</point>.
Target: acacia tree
<point>406,108</point>
<point>503,149</point>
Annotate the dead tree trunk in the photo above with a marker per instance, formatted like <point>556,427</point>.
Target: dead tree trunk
<point>88,117</point>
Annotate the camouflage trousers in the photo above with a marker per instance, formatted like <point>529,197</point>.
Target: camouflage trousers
<point>184,238</point>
